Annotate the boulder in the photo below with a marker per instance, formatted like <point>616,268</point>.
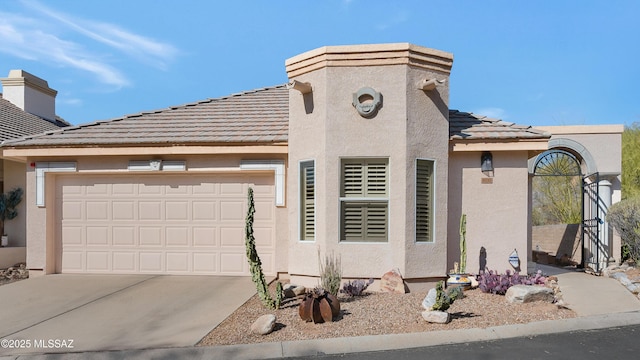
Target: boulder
<point>438,317</point>
<point>264,324</point>
<point>429,300</point>
<point>622,278</point>
<point>392,282</point>
<point>528,293</point>
<point>292,290</point>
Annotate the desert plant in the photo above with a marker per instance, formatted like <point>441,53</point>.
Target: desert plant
<point>255,264</point>
<point>355,287</point>
<point>463,244</point>
<point>330,273</point>
<point>624,216</point>
<point>444,298</point>
<point>8,203</point>
<point>319,306</point>
<point>490,281</point>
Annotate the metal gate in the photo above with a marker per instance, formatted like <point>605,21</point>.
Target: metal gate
<point>594,254</point>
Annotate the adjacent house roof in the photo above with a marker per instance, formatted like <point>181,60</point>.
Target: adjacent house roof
<point>16,123</point>
<point>469,126</point>
<point>259,116</point>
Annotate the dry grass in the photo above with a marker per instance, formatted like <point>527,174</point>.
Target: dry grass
<point>377,314</point>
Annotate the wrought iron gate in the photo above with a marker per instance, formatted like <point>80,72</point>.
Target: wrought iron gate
<point>592,224</point>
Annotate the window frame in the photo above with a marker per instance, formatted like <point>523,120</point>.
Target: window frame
<point>365,198</point>
<point>433,194</point>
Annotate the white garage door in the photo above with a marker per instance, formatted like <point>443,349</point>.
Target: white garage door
<point>163,224</point>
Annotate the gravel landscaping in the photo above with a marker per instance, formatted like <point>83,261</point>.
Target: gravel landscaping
<point>377,314</point>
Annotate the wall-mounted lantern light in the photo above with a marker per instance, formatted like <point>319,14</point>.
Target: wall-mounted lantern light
<point>486,163</point>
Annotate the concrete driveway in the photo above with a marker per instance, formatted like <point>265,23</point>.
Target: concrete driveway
<point>114,312</point>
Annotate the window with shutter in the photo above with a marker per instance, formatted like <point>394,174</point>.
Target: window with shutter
<point>307,201</point>
<point>424,200</point>
<point>364,200</point>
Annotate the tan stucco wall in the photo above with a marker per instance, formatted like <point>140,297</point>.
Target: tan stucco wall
<point>14,176</point>
<point>40,220</point>
<point>411,124</point>
<point>497,213</point>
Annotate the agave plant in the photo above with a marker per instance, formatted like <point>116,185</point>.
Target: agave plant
<point>319,306</point>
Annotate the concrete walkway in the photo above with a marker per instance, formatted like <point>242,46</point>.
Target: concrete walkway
<point>590,295</point>
<point>116,312</point>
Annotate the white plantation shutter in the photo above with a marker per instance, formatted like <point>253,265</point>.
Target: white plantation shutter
<point>424,200</point>
<point>308,200</point>
<point>364,202</point>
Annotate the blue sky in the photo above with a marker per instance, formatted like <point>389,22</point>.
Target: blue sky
<point>529,62</point>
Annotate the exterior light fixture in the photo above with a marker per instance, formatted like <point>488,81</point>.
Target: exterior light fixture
<point>486,163</point>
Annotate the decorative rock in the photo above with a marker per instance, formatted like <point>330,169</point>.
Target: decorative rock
<point>264,324</point>
<point>438,317</point>
<point>392,282</point>
<point>528,293</point>
<point>474,282</point>
<point>429,300</point>
<point>622,278</point>
<point>292,290</point>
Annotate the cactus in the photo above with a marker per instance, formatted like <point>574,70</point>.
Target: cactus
<point>255,265</point>
<point>444,299</point>
<point>463,244</point>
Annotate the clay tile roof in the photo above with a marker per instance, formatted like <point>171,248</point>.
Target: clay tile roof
<point>257,116</point>
<point>16,123</point>
<point>469,126</point>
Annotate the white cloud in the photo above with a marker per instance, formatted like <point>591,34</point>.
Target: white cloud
<point>22,40</point>
<point>138,46</point>
<point>492,112</point>
<point>43,36</point>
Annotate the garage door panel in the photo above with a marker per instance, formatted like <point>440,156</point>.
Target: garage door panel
<point>98,261</point>
<point>150,236</point>
<point>206,263</point>
<point>232,210</point>
<point>151,261</point>
<point>204,237</point>
<point>150,210</point>
<point>123,210</point>
<point>177,210</point>
<point>124,261</point>
<point>177,236</point>
<point>97,235</point>
<point>204,210</point>
<point>166,224</point>
<point>178,262</point>
<point>124,236</point>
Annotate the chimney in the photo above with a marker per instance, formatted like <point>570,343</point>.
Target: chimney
<point>30,93</point>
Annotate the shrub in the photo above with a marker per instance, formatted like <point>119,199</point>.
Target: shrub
<point>355,287</point>
<point>330,273</point>
<point>625,218</point>
<point>491,282</point>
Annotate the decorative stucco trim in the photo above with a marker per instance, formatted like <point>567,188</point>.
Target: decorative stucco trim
<point>44,167</point>
<point>277,166</point>
<point>574,147</point>
<point>369,55</point>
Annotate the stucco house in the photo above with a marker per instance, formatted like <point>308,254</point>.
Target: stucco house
<point>358,154</point>
<point>27,106</point>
